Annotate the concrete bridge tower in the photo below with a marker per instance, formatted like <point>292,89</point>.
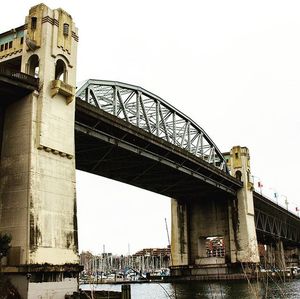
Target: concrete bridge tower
<point>243,240</point>
<point>37,170</point>
<point>215,218</point>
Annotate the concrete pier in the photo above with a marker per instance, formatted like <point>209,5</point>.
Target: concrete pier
<point>37,170</point>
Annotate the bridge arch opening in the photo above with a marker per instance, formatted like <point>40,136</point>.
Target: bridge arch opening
<point>33,65</point>
<point>238,175</point>
<point>61,71</point>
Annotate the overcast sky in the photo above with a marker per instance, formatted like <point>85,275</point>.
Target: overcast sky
<point>232,66</point>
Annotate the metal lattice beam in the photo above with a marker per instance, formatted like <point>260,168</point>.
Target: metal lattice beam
<point>276,226</point>
<point>152,114</point>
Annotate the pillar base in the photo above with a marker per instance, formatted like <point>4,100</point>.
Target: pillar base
<point>211,272</point>
<point>43,281</point>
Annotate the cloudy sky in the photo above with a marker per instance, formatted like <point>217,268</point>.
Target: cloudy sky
<point>232,66</point>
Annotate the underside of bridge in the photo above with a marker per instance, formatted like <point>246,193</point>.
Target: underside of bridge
<point>15,85</point>
<point>107,146</point>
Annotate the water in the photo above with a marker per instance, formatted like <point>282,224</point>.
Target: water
<point>212,290</point>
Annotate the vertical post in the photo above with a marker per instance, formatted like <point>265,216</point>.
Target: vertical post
<point>138,109</point>
<point>174,126</point>
<point>126,291</point>
<point>157,117</point>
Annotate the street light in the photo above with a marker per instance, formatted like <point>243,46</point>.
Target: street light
<point>286,201</point>
<point>275,194</point>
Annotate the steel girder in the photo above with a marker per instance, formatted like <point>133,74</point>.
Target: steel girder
<point>149,112</point>
<point>276,227</point>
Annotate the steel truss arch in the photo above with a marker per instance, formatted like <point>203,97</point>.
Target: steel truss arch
<point>151,113</point>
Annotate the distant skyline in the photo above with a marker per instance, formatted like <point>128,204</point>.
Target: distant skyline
<point>232,66</point>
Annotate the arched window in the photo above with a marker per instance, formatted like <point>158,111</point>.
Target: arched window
<point>60,71</point>
<point>66,29</point>
<point>238,175</point>
<point>33,66</point>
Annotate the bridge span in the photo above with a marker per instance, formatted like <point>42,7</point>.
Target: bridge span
<point>123,134</point>
<point>126,133</point>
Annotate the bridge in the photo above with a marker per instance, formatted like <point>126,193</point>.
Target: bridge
<point>123,132</point>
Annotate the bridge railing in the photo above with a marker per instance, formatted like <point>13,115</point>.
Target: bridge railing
<point>279,199</point>
<point>25,78</point>
<point>149,112</point>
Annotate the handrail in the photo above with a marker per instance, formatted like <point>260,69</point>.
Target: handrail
<point>25,78</point>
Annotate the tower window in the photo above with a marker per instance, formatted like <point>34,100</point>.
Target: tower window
<point>66,29</point>
<point>60,71</point>
<point>238,175</point>
<point>33,66</point>
<point>22,40</point>
<point>236,155</point>
<point>10,45</point>
<point>1,47</point>
<point>33,23</point>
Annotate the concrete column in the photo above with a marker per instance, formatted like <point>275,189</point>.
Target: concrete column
<point>279,255</point>
<point>37,171</point>
<point>270,256</point>
<point>179,233</point>
<point>243,241</point>
<point>291,256</point>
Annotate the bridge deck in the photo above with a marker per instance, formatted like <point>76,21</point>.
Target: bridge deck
<point>15,85</point>
<point>110,147</point>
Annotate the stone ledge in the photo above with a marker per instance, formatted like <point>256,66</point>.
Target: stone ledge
<point>42,268</point>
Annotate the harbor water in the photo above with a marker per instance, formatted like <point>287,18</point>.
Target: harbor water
<point>209,290</point>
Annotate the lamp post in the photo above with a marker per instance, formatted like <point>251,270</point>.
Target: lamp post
<point>286,202</point>
<point>275,194</point>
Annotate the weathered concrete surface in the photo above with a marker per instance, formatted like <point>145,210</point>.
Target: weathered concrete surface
<point>37,170</point>
<point>208,218</point>
<point>55,290</point>
<point>179,233</point>
<point>232,219</point>
<point>243,241</point>
<point>280,255</point>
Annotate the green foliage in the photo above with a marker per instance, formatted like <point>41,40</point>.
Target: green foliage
<point>5,240</point>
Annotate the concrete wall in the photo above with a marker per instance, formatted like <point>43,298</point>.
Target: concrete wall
<point>179,233</point>
<point>208,218</point>
<point>192,223</point>
<point>15,173</point>
<point>55,290</point>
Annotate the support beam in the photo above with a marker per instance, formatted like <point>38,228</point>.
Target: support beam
<point>179,236</point>
<point>280,255</point>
